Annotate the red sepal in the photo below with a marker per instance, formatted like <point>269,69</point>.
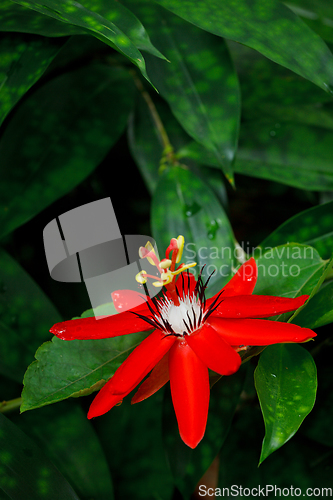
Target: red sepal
<point>140,362</point>
<point>157,379</point>
<point>213,351</point>
<point>257,332</point>
<point>257,306</point>
<point>242,283</point>
<point>189,382</point>
<point>104,401</point>
<point>107,327</point>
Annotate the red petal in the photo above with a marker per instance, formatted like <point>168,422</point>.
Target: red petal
<point>257,306</point>
<point>110,326</point>
<point>242,283</point>
<point>157,379</point>
<point>127,299</point>
<point>140,362</point>
<point>258,332</point>
<point>104,401</point>
<point>210,347</point>
<point>189,383</point>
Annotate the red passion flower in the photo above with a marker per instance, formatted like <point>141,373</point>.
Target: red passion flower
<point>191,335</point>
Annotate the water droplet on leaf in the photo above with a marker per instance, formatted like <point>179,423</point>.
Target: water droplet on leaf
<point>192,209</point>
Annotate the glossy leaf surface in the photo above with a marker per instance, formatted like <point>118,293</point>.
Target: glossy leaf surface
<point>312,227</point>
<point>23,60</point>
<point>288,270</point>
<point>59,147</point>
<point>285,38</point>
<point>97,19</point>
<point>269,149</point>
<point>184,204</point>
<point>59,429</point>
<point>286,383</point>
<point>146,474</point>
<point>199,83</point>
<point>25,470</point>
<point>74,368</point>
<point>319,311</point>
<point>25,316</point>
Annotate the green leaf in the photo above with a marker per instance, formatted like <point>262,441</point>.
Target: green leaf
<point>184,204</point>
<point>74,368</point>
<point>268,27</point>
<point>267,86</point>
<point>25,471</point>
<point>188,465</point>
<point>275,151</point>
<point>199,84</point>
<point>59,430</point>
<point>286,383</point>
<point>317,14</point>
<point>98,21</point>
<point>136,428</point>
<point>312,227</point>
<point>24,20</point>
<point>64,130</point>
<point>26,315</point>
<point>318,426</point>
<point>23,60</point>
<point>288,270</point>
<point>319,310</point>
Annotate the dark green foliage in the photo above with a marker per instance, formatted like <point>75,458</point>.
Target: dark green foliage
<point>211,119</point>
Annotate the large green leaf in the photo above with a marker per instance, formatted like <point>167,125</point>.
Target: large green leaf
<point>317,14</point>
<point>74,368</point>
<point>318,426</point>
<point>135,431</point>
<point>23,60</point>
<point>286,383</point>
<point>312,227</point>
<point>276,151</point>
<point>266,85</point>
<point>99,20</point>
<point>26,315</point>
<point>25,471</point>
<point>14,17</point>
<point>59,431</point>
<point>288,270</point>
<point>199,83</point>
<point>64,130</point>
<point>319,310</point>
<point>184,204</point>
<point>188,465</point>
<point>269,27</point>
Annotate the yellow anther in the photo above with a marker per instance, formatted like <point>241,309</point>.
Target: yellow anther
<point>180,243</point>
<point>157,283</point>
<point>165,263</point>
<point>181,269</point>
<point>140,277</point>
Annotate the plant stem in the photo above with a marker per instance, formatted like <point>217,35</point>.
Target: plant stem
<point>168,152</point>
<point>12,405</point>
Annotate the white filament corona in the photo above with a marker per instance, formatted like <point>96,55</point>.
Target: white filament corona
<point>178,316</point>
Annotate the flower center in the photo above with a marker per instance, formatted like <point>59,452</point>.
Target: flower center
<point>182,318</point>
<point>185,317</point>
